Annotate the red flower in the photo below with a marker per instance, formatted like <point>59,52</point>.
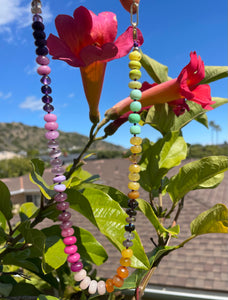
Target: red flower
<point>174,91</point>
<point>87,41</point>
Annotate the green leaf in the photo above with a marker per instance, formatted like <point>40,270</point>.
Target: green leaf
<point>2,221</point>
<point>202,119</point>
<point>213,73</point>
<point>24,289</point>
<point>219,101</point>
<point>157,71</point>
<point>44,297</point>
<point>28,211</point>
<point>214,220</point>
<point>193,174</point>
<point>38,166</point>
<point>5,202</point>
<point>5,289</point>
<point>211,183</point>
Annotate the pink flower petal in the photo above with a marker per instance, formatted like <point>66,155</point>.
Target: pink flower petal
<point>202,96</point>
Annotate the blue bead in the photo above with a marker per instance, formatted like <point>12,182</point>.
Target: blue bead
<point>136,94</point>
<point>135,129</point>
<point>135,106</point>
<point>134,118</point>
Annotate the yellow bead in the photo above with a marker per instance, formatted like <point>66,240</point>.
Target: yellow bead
<point>134,176</point>
<point>127,253</point>
<point>135,85</point>
<point>133,185</point>
<point>136,140</point>
<point>125,261</point>
<point>135,74</point>
<point>134,168</point>
<point>136,149</point>
<point>134,64</point>
<point>135,158</point>
<point>135,55</point>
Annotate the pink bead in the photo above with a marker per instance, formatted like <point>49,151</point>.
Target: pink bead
<point>56,162</point>
<point>62,205</point>
<point>73,258</point>
<point>51,125</point>
<point>67,232</point>
<point>65,225</point>
<point>60,188</point>
<point>70,249</point>
<point>50,118</point>
<point>60,197</point>
<point>58,170</point>
<point>78,266</point>
<point>42,60</point>
<point>55,153</point>
<point>70,240</point>
<point>53,144</point>
<point>44,70</point>
<point>52,135</point>
<point>60,178</point>
<point>65,216</point>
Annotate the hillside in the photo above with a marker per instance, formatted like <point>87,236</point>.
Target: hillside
<point>18,137</point>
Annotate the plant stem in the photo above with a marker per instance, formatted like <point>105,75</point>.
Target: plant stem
<point>140,289</point>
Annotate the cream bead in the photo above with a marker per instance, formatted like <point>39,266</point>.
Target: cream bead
<point>80,275</point>
<point>92,287</point>
<point>85,283</point>
<point>101,289</point>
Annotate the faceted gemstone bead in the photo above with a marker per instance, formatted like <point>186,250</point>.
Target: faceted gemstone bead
<point>133,64</point>
<point>109,285</point>
<point>60,188</point>
<point>37,25</point>
<point>70,240</point>
<point>135,85</point>
<point>134,176</point>
<point>135,74</point>
<point>48,107</point>
<point>51,126</point>
<point>127,244</point>
<point>55,153</point>
<point>66,224</point>
<point>135,94</point>
<point>62,206</point>
<point>131,212</point>
<point>136,140</point>
<point>85,283</point>
<point>73,258</point>
<point>53,144</point>
<point>130,220</point>
<point>46,80</point>
<point>129,235</point>
<point>40,42</point>
<point>130,227</point>
<point>52,134</point>
<point>46,89</point>
<point>60,178</point>
<point>60,197</point>
<point>135,158</point>
<point>117,281</point>
<point>136,149</point>
<point>70,249</point>
<point>134,168</point>
<point>101,289</point>
<point>50,118</point>
<point>57,170</point>
<point>132,203</point>
<point>135,129</point>
<point>37,18</point>
<point>36,10</point>
<point>42,51</point>
<point>135,106</point>
<point>64,216</point>
<point>79,276</point>
<point>135,55</point>
<point>92,287</point>
<point>122,272</point>
<point>133,194</point>
<point>133,185</point>
<point>44,70</point>
<point>39,35</point>
<point>56,162</point>
<point>134,118</point>
<point>76,267</point>
<point>125,261</point>
<point>67,232</point>
<point>127,253</point>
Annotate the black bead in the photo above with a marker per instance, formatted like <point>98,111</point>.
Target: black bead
<point>132,203</point>
<point>131,212</point>
<point>42,51</point>
<point>130,227</point>
<point>46,89</point>
<point>39,35</point>
<point>38,25</point>
<point>41,43</point>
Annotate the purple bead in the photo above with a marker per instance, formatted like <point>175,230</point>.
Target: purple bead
<point>51,126</point>
<point>62,206</point>
<point>70,240</point>
<point>73,258</point>
<point>65,225</point>
<point>45,80</point>
<point>52,135</point>
<point>60,197</point>
<point>55,153</point>
<point>39,35</point>
<point>37,25</point>
<point>60,188</point>
<point>71,249</point>
<point>58,171</point>
<point>48,108</point>
<point>37,18</point>
<point>50,118</point>
<point>44,70</point>
<point>76,267</point>
<point>42,60</point>
<point>42,51</point>
<point>64,216</point>
<point>56,162</point>
<point>45,89</point>
<point>67,232</point>
<point>60,178</point>
<point>53,144</point>
<point>40,42</point>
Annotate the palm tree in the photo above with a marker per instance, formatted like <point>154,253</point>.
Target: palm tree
<point>216,128</point>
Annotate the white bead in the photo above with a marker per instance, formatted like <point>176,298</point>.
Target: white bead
<point>101,289</point>
<point>85,283</point>
<point>92,287</point>
<point>80,275</point>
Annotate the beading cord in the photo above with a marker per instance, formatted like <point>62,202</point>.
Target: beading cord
<point>67,232</point>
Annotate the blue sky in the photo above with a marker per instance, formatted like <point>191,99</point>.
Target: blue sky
<point>171,29</point>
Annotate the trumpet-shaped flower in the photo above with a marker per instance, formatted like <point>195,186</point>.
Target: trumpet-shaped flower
<point>174,92</point>
<point>88,41</point>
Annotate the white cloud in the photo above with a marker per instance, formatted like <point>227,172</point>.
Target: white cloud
<point>32,103</point>
<point>5,96</point>
<point>71,95</point>
<point>31,70</point>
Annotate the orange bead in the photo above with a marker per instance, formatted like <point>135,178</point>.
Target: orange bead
<point>109,285</point>
<point>133,195</point>
<point>125,261</point>
<point>118,281</point>
<point>127,253</point>
<point>122,272</point>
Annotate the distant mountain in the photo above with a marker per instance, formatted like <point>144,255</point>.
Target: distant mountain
<point>17,137</point>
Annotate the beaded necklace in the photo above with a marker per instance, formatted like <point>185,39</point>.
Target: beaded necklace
<point>67,232</point>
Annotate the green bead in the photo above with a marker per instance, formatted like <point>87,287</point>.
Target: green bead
<point>135,129</point>
<point>134,64</point>
<point>135,106</point>
<point>135,85</point>
<point>135,74</point>
<point>136,94</point>
<point>134,118</point>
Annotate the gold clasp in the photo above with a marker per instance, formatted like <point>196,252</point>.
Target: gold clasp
<point>135,22</point>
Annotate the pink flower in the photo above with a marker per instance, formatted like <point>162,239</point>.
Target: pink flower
<point>175,91</point>
<point>88,41</point>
